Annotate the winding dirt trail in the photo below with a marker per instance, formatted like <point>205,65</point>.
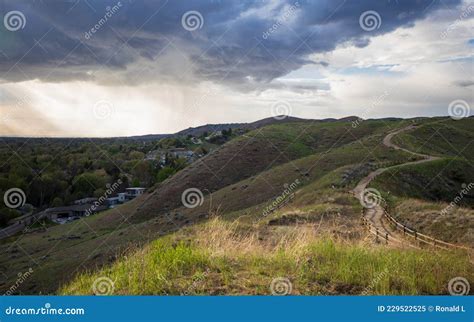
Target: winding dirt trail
<point>374,213</point>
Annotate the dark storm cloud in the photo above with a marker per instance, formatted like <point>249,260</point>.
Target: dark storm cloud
<point>464,83</point>
<point>240,42</point>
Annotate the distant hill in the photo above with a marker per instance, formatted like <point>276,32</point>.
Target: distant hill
<point>209,128</point>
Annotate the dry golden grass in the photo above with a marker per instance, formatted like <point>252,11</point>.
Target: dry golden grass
<point>455,225</point>
<point>221,237</point>
<point>222,257</point>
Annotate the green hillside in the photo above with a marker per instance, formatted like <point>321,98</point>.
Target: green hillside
<point>436,198</point>
<point>439,180</point>
<point>221,258</point>
<point>444,137</point>
<point>245,245</point>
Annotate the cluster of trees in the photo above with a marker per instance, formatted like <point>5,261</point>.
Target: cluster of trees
<point>171,166</point>
<point>56,172</point>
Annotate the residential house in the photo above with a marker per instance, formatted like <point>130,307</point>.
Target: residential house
<point>196,140</point>
<point>85,201</point>
<point>213,134</point>
<point>132,193</point>
<point>60,214</point>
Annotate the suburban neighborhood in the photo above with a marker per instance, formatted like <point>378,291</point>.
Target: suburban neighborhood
<point>64,214</point>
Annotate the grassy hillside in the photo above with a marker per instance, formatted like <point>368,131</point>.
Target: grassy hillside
<point>445,137</point>
<point>99,239</point>
<point>261,150</point>
<point>439,180</point>
<point>225,258</point>
<point>420,197</point>
<point>323,161</point>
<point>455,225</point>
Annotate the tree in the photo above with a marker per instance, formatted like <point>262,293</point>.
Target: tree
<point>143,172</point>
<point>135,182</point>
<point>165,173</point>
<point>86,183</point>
<point>57,202</point>
<point>6,215</point>
<point>136,155</point>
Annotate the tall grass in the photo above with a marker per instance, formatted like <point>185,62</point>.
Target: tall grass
<point>224,258</point>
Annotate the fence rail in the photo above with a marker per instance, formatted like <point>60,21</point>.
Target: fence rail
<point>410,232</point>
<point>374,231</point>
<point>413,233</point>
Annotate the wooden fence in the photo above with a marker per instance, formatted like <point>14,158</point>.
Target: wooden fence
<point>419,237</point>
<point>407,231</point>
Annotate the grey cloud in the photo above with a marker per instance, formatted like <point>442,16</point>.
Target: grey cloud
<point>229,47</point>
<point>464,83</point>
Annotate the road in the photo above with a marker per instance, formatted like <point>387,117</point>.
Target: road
<point>375,214</point>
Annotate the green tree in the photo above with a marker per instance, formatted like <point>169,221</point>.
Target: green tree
<point>136,155</point>
<point>135,182</point>
<point>57,202</point>
<point>165,173</point>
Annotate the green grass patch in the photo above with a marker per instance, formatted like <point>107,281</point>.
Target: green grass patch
<point>323,267</point>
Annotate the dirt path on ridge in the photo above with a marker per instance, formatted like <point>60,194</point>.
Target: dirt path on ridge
<point>374,214</point>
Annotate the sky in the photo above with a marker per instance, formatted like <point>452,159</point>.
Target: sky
<point>129,67</point>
